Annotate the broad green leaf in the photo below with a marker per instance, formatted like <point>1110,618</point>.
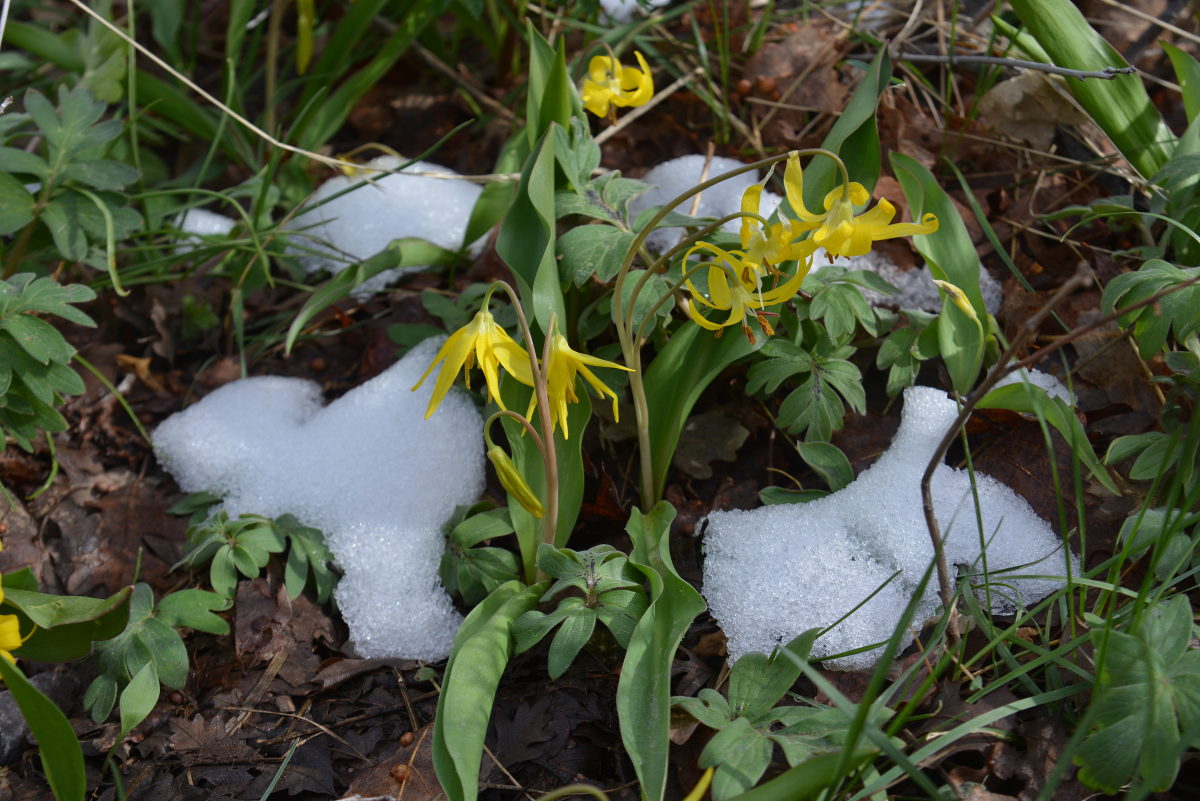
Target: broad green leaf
<point>101,173</point>
<point>1187,73</point>
<point>307,556</point>
<point>62,758</point>
<point>16,160</point>
<point>16,205</point>
<point>572,635</point>
<point>951,257</point>
<point>490,208</point>
<point>741,754</point>
<point>39,339</point>
<point>170,654</point>
<point>550,98</point>
<point>483,526</point>
<point>644,690</point>
<point>61,217</point>
<point>138,698</point>
<point>46,296</point>
<point>1147,693</point>
<point>101,697</point>
<point>589,251</point>
<point>222,572</point>
<point>49,611</point>
<point>75,622</point>
<point>757,682</point>
<point>569,455</point>
<point>478,657</point>
<point>828,461</point>
<point>193,609</point>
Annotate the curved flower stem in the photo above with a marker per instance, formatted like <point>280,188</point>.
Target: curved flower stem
<point>546,446</point>
<point>659,266</point>
<point>631,345</point>
<point>520,418</point>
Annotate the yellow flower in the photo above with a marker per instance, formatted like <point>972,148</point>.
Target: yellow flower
<point>766,246</point>
<point>740,296</point>
<point>10,633</point>
<point>561,369</point>
<point>609,82</point>
<point>483,340</point>
<point>838,229</point>
<point>10,636</point>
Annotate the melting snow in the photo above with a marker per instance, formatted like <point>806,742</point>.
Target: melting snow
<point>777,571</point>
<point>367,470</point>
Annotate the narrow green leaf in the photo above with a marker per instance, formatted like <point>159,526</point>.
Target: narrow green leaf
<point>1034,400</point>
<point>807,779</point>
<point>526,239</point>
<point>62,758</point>
<point>679,373</point>
<point>399,253</point>
<point>1121,107</point>
<point>16,205</point>
<point>854,137</point>
<point>644,690</point>
<point>478,657</point>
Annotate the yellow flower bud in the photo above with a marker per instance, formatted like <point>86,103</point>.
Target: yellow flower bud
<point>958,298</point>
<point>513,481</point>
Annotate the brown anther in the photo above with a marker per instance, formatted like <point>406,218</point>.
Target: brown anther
<point>748,332</point>
<point>766,327</point>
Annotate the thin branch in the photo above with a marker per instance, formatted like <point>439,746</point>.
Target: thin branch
<point>1081,278</point>
<point>465,82</point>
<point>1106,74</point>
<point>1003,367</point>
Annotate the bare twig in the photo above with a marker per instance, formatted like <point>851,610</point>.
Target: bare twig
<point>465,82</point>
<point>1003,367</point>
<point>1081,278</point>
<point>1106,74</point>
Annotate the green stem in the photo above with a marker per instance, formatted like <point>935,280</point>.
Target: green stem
<point>631,345</point>
<point>547,447</point>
